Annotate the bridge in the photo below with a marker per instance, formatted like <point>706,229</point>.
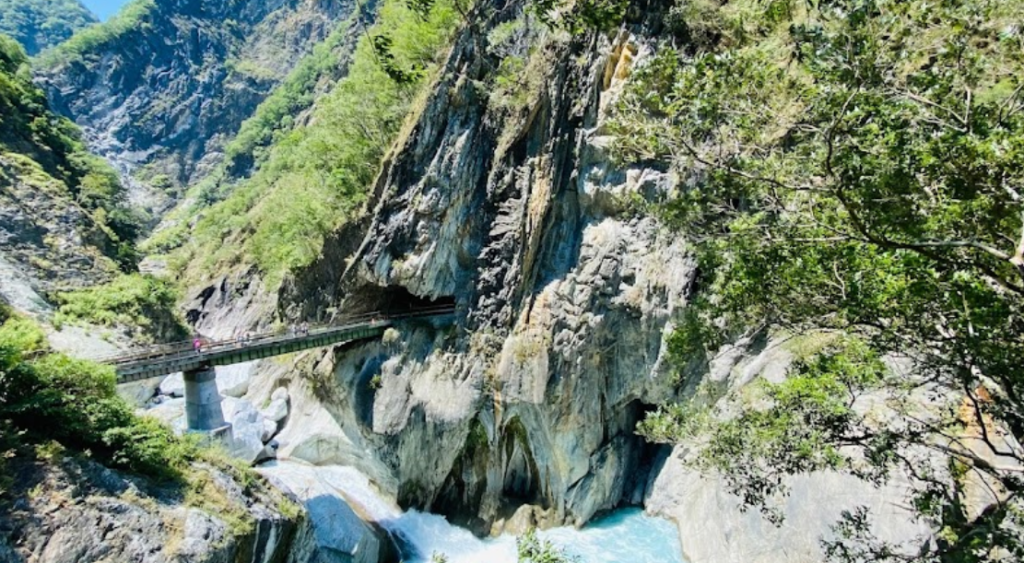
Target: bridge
<point>202,399</point>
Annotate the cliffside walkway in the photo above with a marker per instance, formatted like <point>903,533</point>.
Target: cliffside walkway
<point>170,358</point>
<point>203,400</point>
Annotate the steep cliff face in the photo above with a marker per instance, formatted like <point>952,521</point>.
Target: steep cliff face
<point>524,412</point>
<point>160,88</point>
<point>62,216</point>
<point>502,198</point>
<point>46,239</point>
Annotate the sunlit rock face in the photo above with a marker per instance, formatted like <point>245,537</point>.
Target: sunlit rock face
<point>523,412</point>
<point>563,295</point>
<point>712,522</point>
<point>73,510</point>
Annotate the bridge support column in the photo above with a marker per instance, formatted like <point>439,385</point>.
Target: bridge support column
<point>202,402</point>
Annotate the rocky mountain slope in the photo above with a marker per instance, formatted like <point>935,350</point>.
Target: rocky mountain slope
<point>63,221</point>
<point>68,510</point>
<point>464,156</point>
<point>161,87</point>
<point>501,197</point>
<point>40,24</point>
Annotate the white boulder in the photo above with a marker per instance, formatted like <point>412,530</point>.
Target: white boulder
<point>173,385</point>
<point>171,412</point>
<point>269,430</point>
<point>277,410</point>
<point>233,380</point>
<point>247,429</point>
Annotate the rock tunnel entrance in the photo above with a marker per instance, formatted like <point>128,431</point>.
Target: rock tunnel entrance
<point>392,300</point>
<point>647,460</point>
<point>520,480</point>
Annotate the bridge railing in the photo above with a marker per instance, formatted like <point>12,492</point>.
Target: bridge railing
<point>185,349</point>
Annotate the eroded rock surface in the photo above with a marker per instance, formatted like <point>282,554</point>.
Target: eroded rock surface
<point>71,511</point>
<point>563,296</point>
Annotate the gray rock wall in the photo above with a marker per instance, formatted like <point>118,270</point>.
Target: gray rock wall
<point>713,525</point>
<point>523,412</point>
<point>73,511</point>
<point>563,291</point>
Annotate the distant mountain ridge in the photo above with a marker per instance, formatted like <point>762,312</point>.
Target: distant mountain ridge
<point>161,87</point>
<point>40,24</point>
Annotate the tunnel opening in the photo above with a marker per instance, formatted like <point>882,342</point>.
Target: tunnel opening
<point>520,475</point>
<point>393,300</point>
<point>648,461</point>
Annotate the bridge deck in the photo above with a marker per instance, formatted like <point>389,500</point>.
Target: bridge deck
<point>164,360</point>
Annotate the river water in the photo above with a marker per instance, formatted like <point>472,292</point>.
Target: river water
<point>624,536</point>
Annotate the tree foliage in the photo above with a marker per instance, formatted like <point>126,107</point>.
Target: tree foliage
<point>38,24</point>
<point>855,166</point>
<point>47,397</point>
<point>580,16</point>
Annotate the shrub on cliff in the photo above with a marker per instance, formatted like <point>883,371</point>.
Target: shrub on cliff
<point>48,397</point>
<point>142,303</point>
<point>531,549</point>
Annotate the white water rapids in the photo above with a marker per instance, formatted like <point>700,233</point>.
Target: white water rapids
<point>624,536</point>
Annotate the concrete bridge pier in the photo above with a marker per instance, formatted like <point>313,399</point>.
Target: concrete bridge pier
<point>202,402</point>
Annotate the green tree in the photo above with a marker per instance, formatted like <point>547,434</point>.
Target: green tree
<point>855,168</point>
<point>38,24</point>
<point>47,397</point>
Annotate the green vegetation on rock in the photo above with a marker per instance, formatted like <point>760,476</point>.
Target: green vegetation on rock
<point>45,146</point>
<point>854,166</point>
<point>531,549</point>
<point>47,397</point>
<point>38,24</point>
<point>141,303</point>
<point>274,118</point>
<point>314,178</point>
<point>133,17</point>
<point>59,412</point>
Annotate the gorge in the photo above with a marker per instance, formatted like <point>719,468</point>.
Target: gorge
<point>729,281</point>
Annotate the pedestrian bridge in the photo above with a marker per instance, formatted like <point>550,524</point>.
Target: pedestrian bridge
<point>159,361</point>
<point>202,400</point>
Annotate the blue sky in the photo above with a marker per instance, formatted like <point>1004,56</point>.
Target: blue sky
<point>104,8</point>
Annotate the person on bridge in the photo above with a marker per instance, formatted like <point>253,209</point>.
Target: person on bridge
<point>197,345</point>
